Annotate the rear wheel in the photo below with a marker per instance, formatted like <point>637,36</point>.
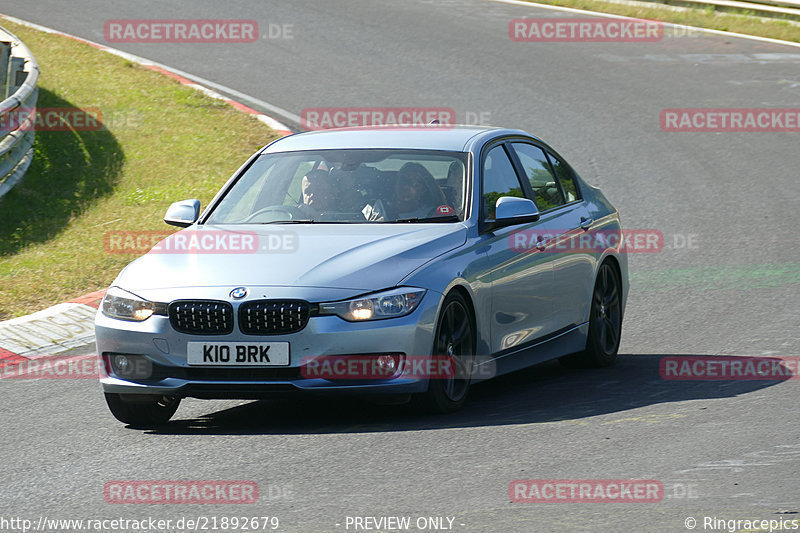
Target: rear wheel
<point>142,410</point>
<point>605,322</point>
<point>454,341</point>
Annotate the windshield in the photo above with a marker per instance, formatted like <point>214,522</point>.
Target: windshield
<point>347,186</point>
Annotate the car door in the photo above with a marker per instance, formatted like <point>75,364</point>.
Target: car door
<point>561,209</point>
<point>519,271</point>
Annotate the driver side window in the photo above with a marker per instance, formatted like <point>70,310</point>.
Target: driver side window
<point>543,183</point>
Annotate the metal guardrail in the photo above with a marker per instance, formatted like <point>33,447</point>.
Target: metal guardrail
<point>19,74</point>
<point>782,9</point>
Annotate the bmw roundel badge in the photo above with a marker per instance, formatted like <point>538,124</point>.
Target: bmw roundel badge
<point>239,292</point>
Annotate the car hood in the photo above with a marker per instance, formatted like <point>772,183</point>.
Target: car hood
<point>361,257</point>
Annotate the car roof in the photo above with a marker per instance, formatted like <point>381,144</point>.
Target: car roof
<point>446,138</point>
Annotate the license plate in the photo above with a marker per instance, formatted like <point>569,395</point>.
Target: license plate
<point>238,353</point>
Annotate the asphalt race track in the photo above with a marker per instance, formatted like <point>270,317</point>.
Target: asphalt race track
<point>725,283</point>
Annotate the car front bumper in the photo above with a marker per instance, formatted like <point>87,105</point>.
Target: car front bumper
<point>155,340</point>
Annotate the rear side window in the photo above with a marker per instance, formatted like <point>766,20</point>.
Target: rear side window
<point>547,194</point>
<point>499,179</point>
<point>565,178</point>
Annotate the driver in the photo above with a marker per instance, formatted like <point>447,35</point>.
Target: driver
<point>317,193</point>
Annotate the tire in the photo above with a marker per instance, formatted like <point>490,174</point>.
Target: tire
<point>605,323</point>
<point>454,338</point>
<point>143,411</point>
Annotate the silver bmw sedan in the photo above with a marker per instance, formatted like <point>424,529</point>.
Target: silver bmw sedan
<point>403,261</point>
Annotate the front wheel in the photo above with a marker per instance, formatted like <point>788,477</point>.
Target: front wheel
<point>605,322</point>
<point>143,411</point>
<point>454,341</point>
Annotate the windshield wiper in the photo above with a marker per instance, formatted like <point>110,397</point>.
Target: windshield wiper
<point>302,221</point>
<point>447,218</point>
<point>309,221</point>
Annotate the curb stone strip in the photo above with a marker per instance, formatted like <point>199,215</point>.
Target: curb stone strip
<point>10,358</point>
<point>45,333</point>
<point>56,329</point>
<point>92,299</point>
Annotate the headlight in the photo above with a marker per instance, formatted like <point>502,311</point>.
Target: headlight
<point>387,304</point>
<point>124,305</point>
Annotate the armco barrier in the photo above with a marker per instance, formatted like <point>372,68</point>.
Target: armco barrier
<point>19,74</point>
<point>783,9</point>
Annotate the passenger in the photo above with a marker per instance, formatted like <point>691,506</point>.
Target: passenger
<point>416,194</point>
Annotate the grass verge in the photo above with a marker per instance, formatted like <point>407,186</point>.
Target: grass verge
<point>732,21</point>
<point>161,142</point>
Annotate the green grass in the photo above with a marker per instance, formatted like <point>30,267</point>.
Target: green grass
<point>737,22</point>
<point>161,142</point>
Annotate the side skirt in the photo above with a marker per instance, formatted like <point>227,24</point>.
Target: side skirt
<point>565,342</point>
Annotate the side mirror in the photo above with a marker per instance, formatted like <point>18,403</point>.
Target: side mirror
<point>512,210</point>
<point>183,213</point>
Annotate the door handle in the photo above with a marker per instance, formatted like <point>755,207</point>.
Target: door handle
<point>586,223</point>
<point>541,243</point>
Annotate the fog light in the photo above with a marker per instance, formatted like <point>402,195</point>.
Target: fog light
<point>129,366</point>
<point>387,364</point>
<point>122,363</point>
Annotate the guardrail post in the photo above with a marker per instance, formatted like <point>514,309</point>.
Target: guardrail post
<point>16,74</point>
<point>5,54</point>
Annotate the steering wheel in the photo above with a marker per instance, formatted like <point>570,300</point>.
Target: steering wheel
<point>290,211</point>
